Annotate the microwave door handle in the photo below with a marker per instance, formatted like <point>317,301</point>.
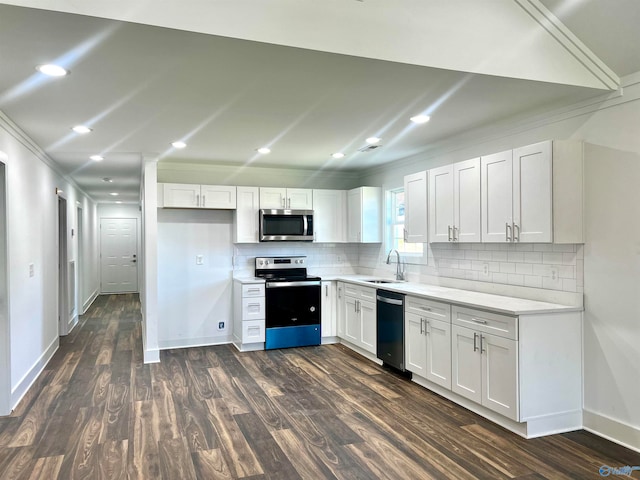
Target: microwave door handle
<point>305,225</point>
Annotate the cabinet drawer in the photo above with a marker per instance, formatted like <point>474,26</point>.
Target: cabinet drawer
<point>253,331</point>
<point>253,308</point>
<point>356,291</point>
<point>428,308</point>
<point>253,290</point>
<point>493,323</point>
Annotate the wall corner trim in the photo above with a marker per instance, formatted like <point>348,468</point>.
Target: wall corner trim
<point>33,373</point>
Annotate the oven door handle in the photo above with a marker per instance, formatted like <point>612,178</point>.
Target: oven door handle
<point>309,283</point>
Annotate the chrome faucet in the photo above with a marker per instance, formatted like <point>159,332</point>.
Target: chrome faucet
<point>399,271</point>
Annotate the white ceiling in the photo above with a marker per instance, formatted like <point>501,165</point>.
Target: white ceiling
<point>140,87</point>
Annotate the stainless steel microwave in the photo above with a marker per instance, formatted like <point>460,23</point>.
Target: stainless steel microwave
<point>286,225</point>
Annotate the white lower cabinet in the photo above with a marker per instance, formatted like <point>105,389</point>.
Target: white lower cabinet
<point>428,340</point>
<point>485,365</point>
<point>357,316</point>
<point>328,312</point>
<point>248,316</point>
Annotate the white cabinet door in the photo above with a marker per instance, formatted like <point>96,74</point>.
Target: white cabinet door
<point>438,352</point>
<point>496,179</point>
<point>441,204</point>
<point>466,201</point>
<point>415,207</point>
<point>329,216</point>
<point>500,375</point>
<point>181,195</point>
<point>415,344</point>
<point>328,310</point>
<point>245,221</point>
<point>300,198</point>
<point>369,326</point>
<point>364,206</point>
<point>466,367</point>
<point>352,322</point>
<point>273,198</point>
<point>218,196</point>
<point>532,193</point>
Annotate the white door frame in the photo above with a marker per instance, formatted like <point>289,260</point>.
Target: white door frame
<point>80,262</point>
<point>63,259</point>
<point>5,324</point>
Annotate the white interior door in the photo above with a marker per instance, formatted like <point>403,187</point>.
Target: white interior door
<point>118,255</point>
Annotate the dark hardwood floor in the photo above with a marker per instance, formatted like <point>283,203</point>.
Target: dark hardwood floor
<point>211,413</point>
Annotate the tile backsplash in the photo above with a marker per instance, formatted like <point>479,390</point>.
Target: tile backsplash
<point>541,266</point>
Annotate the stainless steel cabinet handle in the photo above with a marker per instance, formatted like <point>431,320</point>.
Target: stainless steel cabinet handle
<point>475,339</point>
<point>482,349</point>
<point>428,309</point>
<point>455,238</point>
<point>483,322</point>
<point>516,238</point>
<point>326,290</point>
<point>204,201</point>
<point>406,234</point>
<point>340,292</point>
<point>508,232</point>
<point>426,326</point>
<point>197,200</point>
<point>449,230</point>
<point>421,328</point>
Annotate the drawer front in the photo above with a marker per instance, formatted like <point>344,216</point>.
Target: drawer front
<point>253,331</point>
<point>351,290</point>
<point>253,308</point>
<point>428,308</point>
<point>253,290</point>
<point>493,323</point>
<point>368,293</point>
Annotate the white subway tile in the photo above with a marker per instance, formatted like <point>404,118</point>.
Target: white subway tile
<point>569,258</point>
<point>494,266</point>
<point>532,281</point>
<point>580,273</point>
<point>569,285</point>
<point>551,284</point>
<point>524,247</point>
<point>533,257</point>
<point>471,275</point>
<point>478,246</point>
<point>500,278</point>
<point>514,279</point>
<point>552,258</point>
<point>484,255</point>
<point>464,264</point>
<point>580,252</point>
<point>564,247</point>
<point>506,267</point>
<point>524,268</point>
<point>567,271</point>
<point>471,254</point>
<point>499,256</point>
<point>542,247</point>
<point>515,257</point>
<point>541,270</point>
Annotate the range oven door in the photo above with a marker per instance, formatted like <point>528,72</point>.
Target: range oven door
<point>292,314</point>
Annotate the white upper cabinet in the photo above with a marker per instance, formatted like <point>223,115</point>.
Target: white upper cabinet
<point>286,198</point>
<point>364,210</point>
<point>532,193</point>
<point>180,195</point>
<point>245,220</point>
<point>415,208</point>
<point>496,185</point>
<point>330,216</point>
<point>454,202</point>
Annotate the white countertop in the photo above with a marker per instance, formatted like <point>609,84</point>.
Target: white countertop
<point>468,298</point>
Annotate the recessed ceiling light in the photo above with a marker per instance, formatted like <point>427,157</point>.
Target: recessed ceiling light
<point>81,129</point>
<point>96,158</point>
<point>118,201</point>
<point>264,150</point>
<point>420,118</point>
<point>107,180</point>
<point>372,140</point>
<point>52,70</point>
<point>179,144</point>
<point>337,155</point>
<point>115,194</point>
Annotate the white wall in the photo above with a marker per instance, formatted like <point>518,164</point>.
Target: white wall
<point>32,214</point>
<point>611,252</point>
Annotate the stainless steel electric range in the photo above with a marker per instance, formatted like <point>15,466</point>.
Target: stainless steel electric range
<point>292,302</point>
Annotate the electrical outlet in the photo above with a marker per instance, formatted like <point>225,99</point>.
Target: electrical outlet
<point>484,273</point>
<point>32,270</point>
<point>553,271</point>
<point>339,259</point>
<point>199,259</point>
<point>220,325</point>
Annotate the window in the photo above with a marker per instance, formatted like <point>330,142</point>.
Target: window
<point>395,219</point>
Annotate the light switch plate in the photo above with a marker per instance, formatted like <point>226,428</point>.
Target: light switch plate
<point>199,259</point>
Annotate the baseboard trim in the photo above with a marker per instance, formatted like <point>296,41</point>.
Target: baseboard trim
<point>92,298</point>
<point>614,430</point>
<point>151,355</point>
<point>27,380</point>
<point>194,342</point>
<point>361,351</point>
<point>73,321</point>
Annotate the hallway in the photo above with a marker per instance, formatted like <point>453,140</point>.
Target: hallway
<point>98,412</point>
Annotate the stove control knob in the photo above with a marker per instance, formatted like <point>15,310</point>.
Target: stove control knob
<point>266,262</point>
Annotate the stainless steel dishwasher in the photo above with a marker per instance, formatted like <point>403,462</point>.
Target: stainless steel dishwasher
<point>390,329</point>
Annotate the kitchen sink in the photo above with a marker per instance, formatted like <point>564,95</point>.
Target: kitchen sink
<point>381,281</point>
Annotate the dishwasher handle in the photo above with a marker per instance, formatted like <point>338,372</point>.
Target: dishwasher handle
<point>392,301</point>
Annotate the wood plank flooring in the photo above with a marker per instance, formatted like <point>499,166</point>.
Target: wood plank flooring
<point>213,413</point>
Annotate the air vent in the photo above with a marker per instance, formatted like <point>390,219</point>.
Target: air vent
<point>368,148</point>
